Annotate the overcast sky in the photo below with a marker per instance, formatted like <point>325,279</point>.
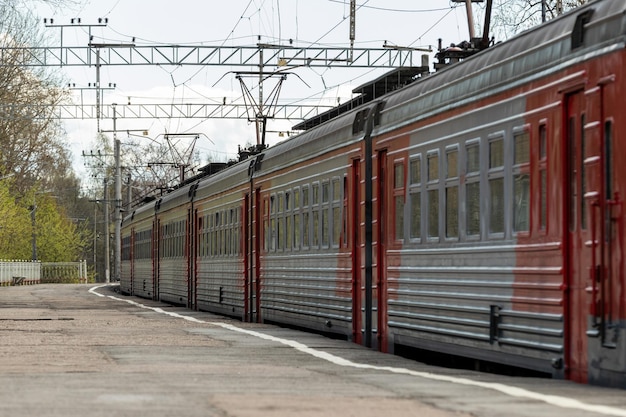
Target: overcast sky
<point>238,23</point>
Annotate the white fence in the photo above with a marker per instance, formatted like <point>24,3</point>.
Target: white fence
<point>63,272</point>
<point>13,272</point>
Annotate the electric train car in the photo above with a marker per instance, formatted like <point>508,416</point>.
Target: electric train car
<point>476,212</point>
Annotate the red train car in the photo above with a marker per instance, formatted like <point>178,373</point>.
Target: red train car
<point>476,212</point>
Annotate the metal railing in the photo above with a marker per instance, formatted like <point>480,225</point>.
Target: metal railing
<point>18,272</point>
<point>64,272</point>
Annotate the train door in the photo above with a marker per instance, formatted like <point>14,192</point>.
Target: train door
<point>192,257</point>
<point>252,242</point>
<point>354,217</point>
<point>603,204</point>
<point>247,250</point>
<point>132,260</point>
<point>256,258</point>
<point>380,299</point>
<point>579,251</point>
<point>156,256</point>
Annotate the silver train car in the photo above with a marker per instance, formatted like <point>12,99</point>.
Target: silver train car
<point>475,212</point>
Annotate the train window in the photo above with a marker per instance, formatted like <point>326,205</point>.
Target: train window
<point>521,208</point>
<point>214,236</point>
<point>202,240</point>
<point>452,192</point>
<point>521,182</point>
<point>288,232</point>
<point>472,188</point>
<point>433,166</point>
<point>473,156</point>
<point>399,215</point>
<point>543,181</point>
<point>344,219</point>
<point>228,240</point>
<point>325,213</point>
<point>325,192</point>
<point>433,213</point>
<point>238,232</point>
<point>287,201</point>
<point>416,215</point>
<point>496,186</point>
<point>211,236</point>
<point>398,175</point>
<point>452,158</point>
<point>316,194</point>
<point>336,225</point>
<point>398,199</point>
<point>452,211</point>
<point>496,153</point>
<point>315,218</point>
<point>296,231</point>
<point>316,229</point>
<point>336,212</point>
<point>522,148</point>
<point>272,234</point>
<point>280,233</point>
<point>280,223</point>
<point>296,218</point>
<point>305,196</point>
<point>415,199</point>
<point>306,227</point>
<point>496,205</point>
<point>222,235</point>
<point>126,248</point>
<point>433,194</point>
<point>325,228</point>
<point>472,197</point>
<point>416,168</point>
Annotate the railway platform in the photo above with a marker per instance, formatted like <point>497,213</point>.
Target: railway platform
<point>85,350</point>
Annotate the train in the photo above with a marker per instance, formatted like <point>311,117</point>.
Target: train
<point>476,212</point>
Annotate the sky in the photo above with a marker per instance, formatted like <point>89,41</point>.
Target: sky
<point>320,23</point>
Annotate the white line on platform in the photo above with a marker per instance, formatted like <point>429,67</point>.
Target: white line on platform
<point>555,400</point>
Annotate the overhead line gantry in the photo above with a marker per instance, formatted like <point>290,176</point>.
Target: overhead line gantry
<point>267,55</point>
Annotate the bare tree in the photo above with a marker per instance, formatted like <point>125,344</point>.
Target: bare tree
<point>31,144</point>
<point>514,16</point>
<point>39,185</point>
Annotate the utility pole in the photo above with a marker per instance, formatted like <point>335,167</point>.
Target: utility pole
<point>107,249</point>
<point>34,226</point>
<point>352,28</point>
<point>470,19</point>
<point>129,192</point>
<point>117,213</point>
<point>118,202</point>
<point>95,235</point>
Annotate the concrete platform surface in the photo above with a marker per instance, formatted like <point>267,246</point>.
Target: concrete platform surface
<point>84,350</point>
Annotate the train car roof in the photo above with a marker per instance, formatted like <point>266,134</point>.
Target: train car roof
<point>598,26</point>
<point>324,138</point>
<point>142,211</point>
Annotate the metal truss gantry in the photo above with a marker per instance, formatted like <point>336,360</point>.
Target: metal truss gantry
<point>264,55</point>
<point>153,111</point>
